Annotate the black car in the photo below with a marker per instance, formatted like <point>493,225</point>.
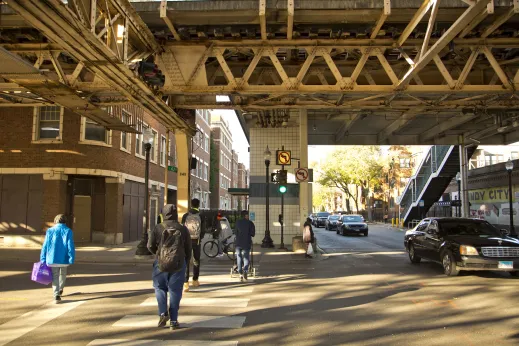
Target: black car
<point>463,244</point>
<point>352,224</point>
<point>320,218</point>
<point>331,222</point>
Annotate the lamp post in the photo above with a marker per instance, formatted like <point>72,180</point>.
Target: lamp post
<point>509,168</point>
<point>458,207</point>
<point>267,240</point>
<point>142,248</point>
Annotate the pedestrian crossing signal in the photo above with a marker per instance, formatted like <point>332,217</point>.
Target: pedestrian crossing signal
<point>282,188</point>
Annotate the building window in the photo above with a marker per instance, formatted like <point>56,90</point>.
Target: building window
<point>206,143</point>
<point>200,169</point>
<point>163,151</point>
<point>206,170</point>
<point>48,124</point>
<point>126,139</point>
<point>405,162</point>
<point>154,147</point>
<point>95,134</point>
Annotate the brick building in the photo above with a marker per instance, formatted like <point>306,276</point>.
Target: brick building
<point>243,183</point>
<point>201,152</point>
<point>234,179</point>
<point>222,172</point>
<point>54,161</point>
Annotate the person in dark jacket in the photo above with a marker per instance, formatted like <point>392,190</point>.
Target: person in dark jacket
<point>245,230</point>
<point>58,252</point>
<point>164,282</point>
<point>308,223</point>
<point>196,245</point>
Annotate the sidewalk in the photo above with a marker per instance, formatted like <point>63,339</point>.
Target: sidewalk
<point>124,254</point>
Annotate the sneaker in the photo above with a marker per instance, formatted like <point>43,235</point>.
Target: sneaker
<point>163,320</point>
<point>174,325</point>
<point>57,300</point>
<point>219,255</point>
<point>241,277</point>
<point>186,286</point>
<point>60,292</point>
<point>245,276</point>
<point>196,283</point>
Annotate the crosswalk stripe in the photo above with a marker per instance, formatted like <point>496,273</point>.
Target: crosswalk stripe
<point>127,342</point>
<point>224,279</point>
<point>188,321</point>
<point>31,320</point>
<point>221,302</point>
<point>221,290</point>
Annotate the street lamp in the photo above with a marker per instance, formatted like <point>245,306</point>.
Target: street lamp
<point>509,168</point>
<point>458,207</point>
<point>142,248</point>
<point>267,240</point>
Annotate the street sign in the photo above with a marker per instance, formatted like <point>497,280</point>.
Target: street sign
<point>422,203</point>
<point>172,169</point>
<point>301,175</point>
<point>283,157</point>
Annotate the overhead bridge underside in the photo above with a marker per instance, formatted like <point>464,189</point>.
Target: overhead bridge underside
<point>367,72</point>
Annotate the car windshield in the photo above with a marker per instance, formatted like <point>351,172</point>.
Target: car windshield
<point>323,214</point>
<point>334,217</point>
<point>352,219</point>
<point>467,227</point>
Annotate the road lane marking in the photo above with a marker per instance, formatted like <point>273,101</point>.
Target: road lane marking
<point>150,342</point>
<point>31,320</point>
<point>221,302</point>
<point>221,290</point>
<point>188,321</point>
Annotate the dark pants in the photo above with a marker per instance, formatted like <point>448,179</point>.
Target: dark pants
<point>168,282</point>
<point>242,259</point>
<point>196,244</point>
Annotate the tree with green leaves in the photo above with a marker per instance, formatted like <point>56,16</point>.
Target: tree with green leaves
<point>353,169</point>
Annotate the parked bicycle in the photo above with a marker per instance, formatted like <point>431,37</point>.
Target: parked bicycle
<point>211,248</point>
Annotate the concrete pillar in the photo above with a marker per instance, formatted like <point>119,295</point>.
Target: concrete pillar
<point>184,158</point>
<point>54,197</point>
<point>465,208</point>
<point>303,156</point>
<point>113,230</point>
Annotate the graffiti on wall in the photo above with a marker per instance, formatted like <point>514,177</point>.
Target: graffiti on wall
<point>492,204</point>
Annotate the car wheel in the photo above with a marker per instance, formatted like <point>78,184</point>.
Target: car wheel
<point>326,228</point>
<point>449,264</point>
<point>365,234</point>
<point>514,273</point>
<point>412,255</point>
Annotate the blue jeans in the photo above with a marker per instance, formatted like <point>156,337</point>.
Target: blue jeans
<point>242,256</point>
<point>168,282</point>
<point>59,276</point>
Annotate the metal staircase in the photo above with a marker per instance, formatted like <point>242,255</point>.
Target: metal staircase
<point>430,180</point>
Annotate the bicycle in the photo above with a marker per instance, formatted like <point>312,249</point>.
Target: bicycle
<point>211,248</point>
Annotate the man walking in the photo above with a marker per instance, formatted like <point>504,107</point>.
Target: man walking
<point>245,230</point>
<point>58,252</point>
<point>194,225</point>
<point>171,244</point>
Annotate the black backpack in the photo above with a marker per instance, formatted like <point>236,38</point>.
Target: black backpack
<point>171,254</point>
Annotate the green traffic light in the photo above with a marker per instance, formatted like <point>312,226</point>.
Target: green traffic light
<point>282,188</point>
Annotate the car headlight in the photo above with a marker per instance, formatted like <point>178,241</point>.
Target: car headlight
<point>468,250</point>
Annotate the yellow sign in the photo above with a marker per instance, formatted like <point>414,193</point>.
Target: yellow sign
<point>283,157</point>
<point>492,195</point>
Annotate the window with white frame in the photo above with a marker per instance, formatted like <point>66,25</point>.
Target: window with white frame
<point>139,142</point>
<point>48,124</point>
<point>93,133</point>
<point>163,151</point>
<point>126,138</point>
<point>154,146</point>
<point>200,169</point>
<point>206,170</point>
<point>206,140</point>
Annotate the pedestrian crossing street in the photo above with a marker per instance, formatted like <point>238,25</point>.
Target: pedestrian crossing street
<point>216,292</point>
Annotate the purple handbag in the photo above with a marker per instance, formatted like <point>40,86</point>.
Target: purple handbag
<point>41,273</point>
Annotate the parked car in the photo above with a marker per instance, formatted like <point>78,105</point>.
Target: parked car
<point>463,244</point>
<point>352,224</point>
<point>320,218</point>
<point>331,222</point>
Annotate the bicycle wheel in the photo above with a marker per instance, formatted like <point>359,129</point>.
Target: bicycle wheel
<point>230,251</point>
<point>211,249</point>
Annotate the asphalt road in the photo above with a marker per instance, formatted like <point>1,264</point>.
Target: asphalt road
<point>364,291</point>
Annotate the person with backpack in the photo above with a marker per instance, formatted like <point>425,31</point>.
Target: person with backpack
<point>308,238</point>
<point>193,223</point>
<point>170,242</point>
<point>58,252</point>
<point>245,230</point>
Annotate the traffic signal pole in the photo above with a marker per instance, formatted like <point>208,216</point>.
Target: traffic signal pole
<point>281,216</point>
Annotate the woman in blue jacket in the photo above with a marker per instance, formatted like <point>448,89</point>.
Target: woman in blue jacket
<point>58,252</point>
